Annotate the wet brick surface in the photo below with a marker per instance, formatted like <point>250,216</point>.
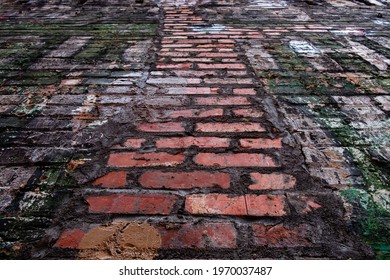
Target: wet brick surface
<point>194,129</point>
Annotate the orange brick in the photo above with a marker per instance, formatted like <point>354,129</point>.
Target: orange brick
<point>70,239</point>
<point>112,180</point>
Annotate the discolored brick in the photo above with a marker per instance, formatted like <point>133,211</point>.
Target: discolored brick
<point>229,127</point>
<point>273,181</point>
<point>186,142</point>
<point>199,236</point>
<point>144,160</point>
<point>149,204</point>
<point>261,143</point>
<point>184,180</point>
<point>234,160</point>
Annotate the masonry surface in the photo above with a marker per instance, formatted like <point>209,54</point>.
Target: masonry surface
<point>195,129</point>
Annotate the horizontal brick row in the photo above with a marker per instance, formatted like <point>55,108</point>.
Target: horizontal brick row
<point>196,204</point>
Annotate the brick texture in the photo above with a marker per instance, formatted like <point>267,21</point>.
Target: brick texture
<point>184,180</point>
<point>132,204</point>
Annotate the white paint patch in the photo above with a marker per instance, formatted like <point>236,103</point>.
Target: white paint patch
<point>266,4</point>
<point>381,22</point>
<point>304,47</point>
<point>215,28</point>
<point>348,31</point>
<point>379,61</point>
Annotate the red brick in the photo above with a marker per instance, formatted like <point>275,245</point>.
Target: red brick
<point>191,59</point>
<point>173,54</point>
<point>234,160</point>
<point>212,54</point>
<point>199,236</point>
<point>245,205</point>
<point>238,100</point>
<point>193,90</point>
<point>222,66</point>
<point>249,113</point>
<point>266,205</point>
<point>192,50</point>
<point>112,180</point>
<point>185,142</point>
<point>261,143</point>
<point>194,113</point>
<point>195,41</point>
<point>184,180</point>
<point>216,46</point>
<point>274,181</point>
<point>70,239</point>
<point>144,160</point>
<point>229,127</point>
<point>174,66</point>
<point>244,91</point>
<point>216,204</point>
<point>132,204</point>
<point>281,236</point>
<point>161,127</point>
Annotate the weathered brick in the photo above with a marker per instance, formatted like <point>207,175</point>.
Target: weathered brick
<point>199,236</point>
<point>112,180</point>
<point>249,113</point>
<point>194,113</point>
<point>245,205</point>
<point>161,127</point>
<point>185,142</point>
<point>193,73</point>
<point>266,205</point>
<point>184,180</point>
<point>234,81</point>
<point>193,90</point>
<point>235,160</point>
<point>244,91</point>
<point>229,127</point>
<point>144,160</point>
<point>281,236</point>
<point>70,239</point>
<point>222,66</point>
<point>261,143</point>
<point>132,204</point>
<point>133,143</point>
<point>175,66</point>
<point>273,181</point>
<point>216,204</point>
<point>303,204</point>
<point>216,54</point>
<point>237,100</point>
